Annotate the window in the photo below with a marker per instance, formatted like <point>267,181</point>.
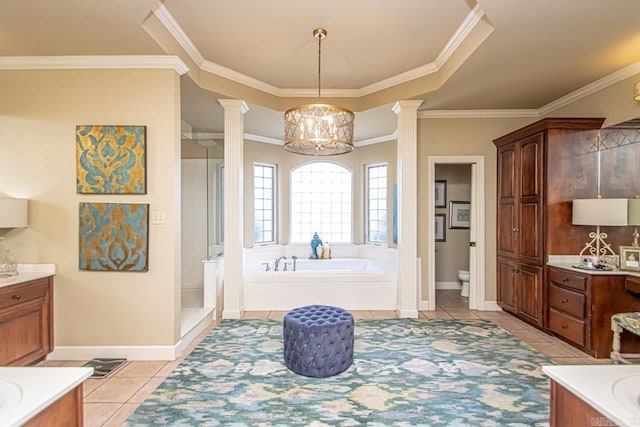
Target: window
<point>376,183</point>
<point>263,202</point>
<point>321,202</point>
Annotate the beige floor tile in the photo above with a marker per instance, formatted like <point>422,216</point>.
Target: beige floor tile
<point>121,415</point>
<point>169,367</point>
<point>137,368</point>
<point>528,336</point>
<point>116,389</point>
<point>96,414</point>
<point>550,350</point>
<point>510,324</point>
<point>422,315</point>
<point>277,315</point>
<point>260,315</point>
<point>593,361</point>
<point>490,315</point>
<point>90,384</point>
<point>437,314</point>
<point>384,314</point>
<point>146,390</point>
<point>567,360</point>
<point>361,315</point>
<point>462,314</point>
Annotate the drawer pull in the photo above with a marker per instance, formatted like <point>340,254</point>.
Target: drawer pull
<point>566,279</point>
<point>564,300</point>
<point>564,326</point>
<point>17,296</point>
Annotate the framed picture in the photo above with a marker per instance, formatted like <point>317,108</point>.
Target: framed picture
<point>441,232</point>
<point>459,214</point>
<point>630,258</point>
<point>441,193</point>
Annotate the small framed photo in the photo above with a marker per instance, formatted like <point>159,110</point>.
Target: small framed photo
<point>630,258</point>
<point>441,232</point>
<point>459,214</point>
<point>441,193</point>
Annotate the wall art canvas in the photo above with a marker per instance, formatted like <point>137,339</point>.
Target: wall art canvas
<point>114,236</point>
<point>111,159</point>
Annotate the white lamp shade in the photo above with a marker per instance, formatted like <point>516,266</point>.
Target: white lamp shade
<point>634,212</point>
<point>600,212</point>
<point>13,213</point>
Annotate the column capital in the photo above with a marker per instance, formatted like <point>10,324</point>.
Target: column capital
<point>234,103</point>
<point>407,105</point>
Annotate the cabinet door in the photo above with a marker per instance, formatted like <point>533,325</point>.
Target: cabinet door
<point>529,289</point>
<point>530,212</point>
<point>507,285</point>
<point>507,189</point>
<point>22,326</point>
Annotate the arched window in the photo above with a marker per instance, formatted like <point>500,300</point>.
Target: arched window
<point>321,201</point>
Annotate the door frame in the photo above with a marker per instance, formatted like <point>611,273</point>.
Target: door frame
<point>477,230</point>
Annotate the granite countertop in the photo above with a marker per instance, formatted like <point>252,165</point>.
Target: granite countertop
<point>568,262</point>
<point>28,272</point>
<point>612,390</point>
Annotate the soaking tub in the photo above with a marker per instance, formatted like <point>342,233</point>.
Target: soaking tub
<point>351,283</point>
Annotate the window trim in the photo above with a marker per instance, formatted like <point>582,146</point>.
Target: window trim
<point>274,221</point>
<point>367,189</point>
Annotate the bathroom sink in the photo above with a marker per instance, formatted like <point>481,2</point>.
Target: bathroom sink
<point>626,391</point>
<point>10,395</point>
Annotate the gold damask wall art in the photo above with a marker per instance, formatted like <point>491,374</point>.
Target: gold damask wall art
<point>114,236</point>
<point>111,159</point>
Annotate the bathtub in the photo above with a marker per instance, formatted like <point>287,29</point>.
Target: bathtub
<point>351,283</point>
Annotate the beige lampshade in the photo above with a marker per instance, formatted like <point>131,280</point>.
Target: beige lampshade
<point>634,212</point>
<point>600,212</point>
<point>13,213</point>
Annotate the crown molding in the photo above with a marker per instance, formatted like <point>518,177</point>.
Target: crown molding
<point>476,114</point>
<point>603,83</point>
<point>165,17</point>
<point>259,138</point>
<point>378,139</point>
<point>92,62</point>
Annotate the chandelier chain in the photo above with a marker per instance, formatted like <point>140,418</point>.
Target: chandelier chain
<point>319,36</point>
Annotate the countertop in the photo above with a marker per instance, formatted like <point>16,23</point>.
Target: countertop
<point>595,385</point>
<point>39,386</point>
<point>28,272</point>
<point>568,262</point>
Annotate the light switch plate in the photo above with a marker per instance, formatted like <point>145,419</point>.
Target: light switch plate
<point>158,217</point>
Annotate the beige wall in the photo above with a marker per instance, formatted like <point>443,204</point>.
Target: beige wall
<point>39,111</point>
<point>453,254</point>
<point>285,161</point>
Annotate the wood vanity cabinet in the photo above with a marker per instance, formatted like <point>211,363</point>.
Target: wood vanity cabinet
<point>527,216</point>
<point>26,322</point>
<point>580,306</point>
<point>568,410</point>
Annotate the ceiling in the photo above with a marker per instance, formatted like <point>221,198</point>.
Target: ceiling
<point>453,54</point>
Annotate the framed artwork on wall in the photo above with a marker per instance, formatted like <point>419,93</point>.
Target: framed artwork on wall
<point>441,193</point>
<point>111,159</point>
<point>440,230</point>
<point>459,214</point>
<point>630,258</point>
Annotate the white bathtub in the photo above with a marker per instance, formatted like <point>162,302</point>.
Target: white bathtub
<point>351,283</point>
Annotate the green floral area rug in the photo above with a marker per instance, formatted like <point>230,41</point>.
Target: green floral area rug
<point>405,373</point>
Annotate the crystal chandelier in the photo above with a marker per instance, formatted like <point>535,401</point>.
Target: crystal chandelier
<point>318,129</point>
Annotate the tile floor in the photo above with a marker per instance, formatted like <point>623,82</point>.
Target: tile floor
<point>110,401</point>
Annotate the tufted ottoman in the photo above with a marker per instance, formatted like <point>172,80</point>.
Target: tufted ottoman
<point>318,340</point>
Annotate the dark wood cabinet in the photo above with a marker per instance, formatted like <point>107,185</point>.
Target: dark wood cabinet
<point>527,187</point>
<point>581,306</point>
<point>26,322</point>
<point>568,410</point>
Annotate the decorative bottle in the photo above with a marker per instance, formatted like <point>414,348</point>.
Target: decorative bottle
<point>315,242</point>
<point>326,251</point>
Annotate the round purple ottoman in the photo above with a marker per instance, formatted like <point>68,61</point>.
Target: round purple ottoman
<point>318,340</point>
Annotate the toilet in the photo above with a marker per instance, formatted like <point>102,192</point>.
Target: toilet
<point>463,276</point>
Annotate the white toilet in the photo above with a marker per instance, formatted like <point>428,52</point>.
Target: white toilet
<point>463,275</point>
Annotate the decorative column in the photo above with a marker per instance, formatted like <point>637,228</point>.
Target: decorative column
<point>234,111</point>
<point>407,153</point>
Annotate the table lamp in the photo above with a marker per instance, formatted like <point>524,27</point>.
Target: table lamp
<point>13,214</point>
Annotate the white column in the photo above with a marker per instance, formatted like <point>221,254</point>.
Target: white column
<point>407,144</point>
<point>234,111</point>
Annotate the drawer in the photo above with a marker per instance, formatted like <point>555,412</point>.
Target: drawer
<point>568,279</point>
<point>632,284</point>
<point>567,326</point>
<point>16,294</point>
<point>567,301</point>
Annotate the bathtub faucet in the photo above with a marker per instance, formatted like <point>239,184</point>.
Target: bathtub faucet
<point>294,258</point>
<point>275,268</point>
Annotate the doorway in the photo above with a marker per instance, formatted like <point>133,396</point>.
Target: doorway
<point>476,230</point>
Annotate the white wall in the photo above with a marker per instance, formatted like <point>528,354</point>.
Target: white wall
<point>194,221</point>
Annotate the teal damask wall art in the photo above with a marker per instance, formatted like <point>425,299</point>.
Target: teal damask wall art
<point>111,159</point>
<point>114,236</point>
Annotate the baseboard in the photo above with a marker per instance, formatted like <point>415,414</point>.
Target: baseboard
<point>423,305</point>
<point>151,352</point>
<point>491,306</point>
<point>448,285</point>
<point>408,314</point>
<point>232,314</point>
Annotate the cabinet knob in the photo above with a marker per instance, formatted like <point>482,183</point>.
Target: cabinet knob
<point>564,300</point>
<point>564,326</point>
<point>17,296</point>
<point>566,279</point>
<point>516,229</point>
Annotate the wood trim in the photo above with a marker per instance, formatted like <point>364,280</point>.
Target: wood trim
<point>550,123</point>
